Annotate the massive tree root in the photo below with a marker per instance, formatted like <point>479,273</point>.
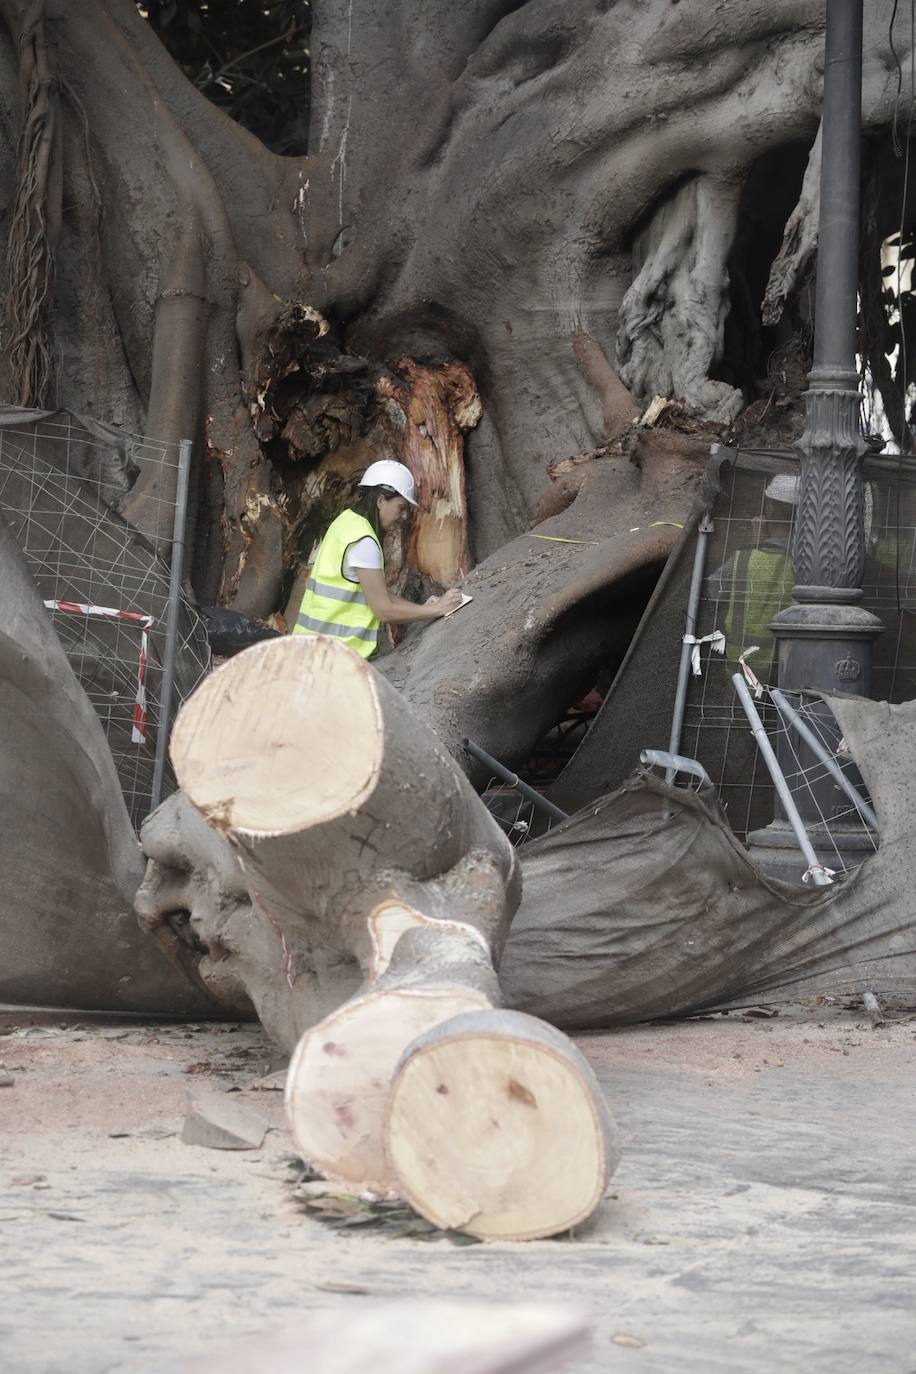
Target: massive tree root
<point>388,886</point>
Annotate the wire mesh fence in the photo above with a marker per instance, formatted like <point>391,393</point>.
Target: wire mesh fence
<point>748,580</point>
<point>514,813</point>
<point>103,584</point>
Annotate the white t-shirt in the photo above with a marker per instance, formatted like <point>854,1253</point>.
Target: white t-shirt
<point>365,553</point>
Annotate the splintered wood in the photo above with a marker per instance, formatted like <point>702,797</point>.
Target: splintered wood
<point>439,405</point>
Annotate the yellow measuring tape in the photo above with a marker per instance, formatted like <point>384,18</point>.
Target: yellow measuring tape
<point>561,539</point>
<point>558,539</point>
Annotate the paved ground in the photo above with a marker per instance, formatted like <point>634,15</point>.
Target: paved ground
<point>763,1218</point>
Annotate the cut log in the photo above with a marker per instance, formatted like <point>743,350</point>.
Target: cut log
<point>369,855</point>
<point>337,801</point>
<point>497,1126</point>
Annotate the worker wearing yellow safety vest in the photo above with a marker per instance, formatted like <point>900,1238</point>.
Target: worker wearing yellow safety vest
<point>756,582</point>
<point>346,595</point>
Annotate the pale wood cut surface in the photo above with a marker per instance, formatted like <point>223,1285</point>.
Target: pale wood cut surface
<point>497,1126</point>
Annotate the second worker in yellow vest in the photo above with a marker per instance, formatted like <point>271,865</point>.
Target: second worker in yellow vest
<point>346,595</point>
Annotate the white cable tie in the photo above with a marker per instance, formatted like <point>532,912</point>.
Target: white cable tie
<point>716,642</point>
<point>829,873</point>
<point>750,677</point>
<point>842,747</point>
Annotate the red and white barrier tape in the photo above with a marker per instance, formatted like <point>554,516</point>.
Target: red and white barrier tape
<point>139,726</point>
<point>750,677</point>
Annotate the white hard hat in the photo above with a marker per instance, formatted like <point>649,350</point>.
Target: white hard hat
<point>387,473</point>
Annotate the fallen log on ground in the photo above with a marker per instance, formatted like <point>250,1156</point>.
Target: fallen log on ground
<point>350,820</point>
<point>389,886</point>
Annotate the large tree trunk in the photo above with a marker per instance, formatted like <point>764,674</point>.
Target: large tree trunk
<point>574,180</point>
<point>186,245</point>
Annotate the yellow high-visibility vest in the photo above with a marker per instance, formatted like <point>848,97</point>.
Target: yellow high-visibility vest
<point>332,604</point>
<point>758,586</point>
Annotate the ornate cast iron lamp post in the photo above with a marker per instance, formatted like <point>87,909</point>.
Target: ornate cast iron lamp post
<point>826,638</point>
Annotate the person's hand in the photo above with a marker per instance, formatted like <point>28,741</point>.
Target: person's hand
<point>449,601</point>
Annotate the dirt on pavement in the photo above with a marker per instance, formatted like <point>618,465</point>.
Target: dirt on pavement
<point>763,1217</point>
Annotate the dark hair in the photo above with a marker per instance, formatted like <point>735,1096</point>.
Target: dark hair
<point>365,504</point>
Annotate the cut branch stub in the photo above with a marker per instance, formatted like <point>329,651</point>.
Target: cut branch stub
<point>497,1126</point>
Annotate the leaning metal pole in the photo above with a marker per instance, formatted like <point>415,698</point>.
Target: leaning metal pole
<point>826,638</point>
<point>816,870</point>
<point>171,624</point>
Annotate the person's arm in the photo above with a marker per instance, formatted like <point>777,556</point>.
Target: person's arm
<point>394,610</point>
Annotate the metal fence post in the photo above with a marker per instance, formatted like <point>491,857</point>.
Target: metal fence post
<point>171,624</point>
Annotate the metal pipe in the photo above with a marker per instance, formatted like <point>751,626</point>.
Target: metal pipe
<point>675,763</point>
<point>815,867</point>
<point>704,530</point>
<point>805,733</point>
<point>171,624</point>
<point>513,780</point>
<point>838,232</point>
